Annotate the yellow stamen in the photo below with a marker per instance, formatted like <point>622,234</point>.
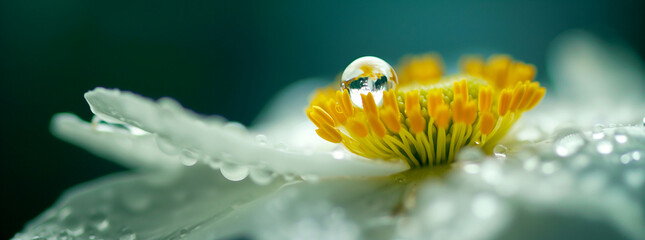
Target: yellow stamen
<point>424,69</point>
<point>357,128</point>
<point>426,122</point>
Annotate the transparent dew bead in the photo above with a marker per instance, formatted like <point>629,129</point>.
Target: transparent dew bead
<point>368,75</point>
<point>500,151</point>
<point>568,142</point>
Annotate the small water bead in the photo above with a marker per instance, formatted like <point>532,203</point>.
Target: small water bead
<point>127,234</point>
<point>636,155</point>
<point>189,157</point>
<point>166,146</point>
<point>470,154</point>
<point>500,151</point>
<point>235,127</point>
<point>234,172</point>
<point>598,132</point>
<point>605,147</point>
<point>621,136</point>
<point>568,142</point>
<point>368,75</point>
<point>338,153</point>
<point>99,220</point>
<point>261,139</point>
<point>261,176</point>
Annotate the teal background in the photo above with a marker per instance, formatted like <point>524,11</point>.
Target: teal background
<point>229,58</point>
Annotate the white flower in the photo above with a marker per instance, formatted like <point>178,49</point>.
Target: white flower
<point>582,183</point>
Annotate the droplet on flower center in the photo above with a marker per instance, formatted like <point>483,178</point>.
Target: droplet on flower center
<point>368,75</point>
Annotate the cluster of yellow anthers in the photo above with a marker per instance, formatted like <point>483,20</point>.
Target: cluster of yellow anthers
<point>427,119</point>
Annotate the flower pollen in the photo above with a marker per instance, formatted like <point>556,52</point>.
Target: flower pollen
<point>428,117</point>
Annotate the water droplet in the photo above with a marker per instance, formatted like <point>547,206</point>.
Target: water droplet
<point>470,154</point>
<point>568,142</point>
<point>365,75</point>
<point>235,127</point>
<point>625,158</point>
<point>500,151</point>
<point>234,172</point>
<point>621,136</point>
<point>605,147</point>
<point>261,176</point>
<point>189,157</point>
<point>212,162</point>
<point>74,226</point>
<point>99,221</point>
<point>166,146</point>
<point>598,132</point>
<point>636,155</point>
<point>261,139</point>
<point>289,176</point>
<point>338,153</point>
<point>311,178</point>
<point>484,206</point>
<point>127,234</point>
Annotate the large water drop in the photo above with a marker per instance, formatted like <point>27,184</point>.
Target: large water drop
<point>234,172</point>
<point>368,75</point>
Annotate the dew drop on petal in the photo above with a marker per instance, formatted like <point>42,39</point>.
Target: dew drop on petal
<point>568,142</point>
<point>261,139</point>
<point>99,220</point>
<point>189,157</point>
<point>621,136</point>
<point>636,155</point>
<point>365,75</point>
<point>234,172</point>
<point>598,132</point>
<point>605,147</point>
<point>500,151</point>
<point>338,153</point>
<point>127,234</point>
<point>261,176</point>
<point>235,127</point>
<point>312,178</point>
<point>166,146</point>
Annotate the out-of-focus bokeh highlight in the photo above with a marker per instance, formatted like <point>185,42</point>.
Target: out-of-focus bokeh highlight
<point>230,58</point>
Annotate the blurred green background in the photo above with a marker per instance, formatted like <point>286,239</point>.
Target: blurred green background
<point>231,57</point>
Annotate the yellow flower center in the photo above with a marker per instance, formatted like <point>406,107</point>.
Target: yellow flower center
<point>428,118</point>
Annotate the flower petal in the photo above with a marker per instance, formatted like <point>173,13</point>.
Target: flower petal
<point>135,151</point>
<point>195,202</point>
<point>209,136</point>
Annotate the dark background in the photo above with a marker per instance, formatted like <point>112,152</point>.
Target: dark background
<point>229,58</point>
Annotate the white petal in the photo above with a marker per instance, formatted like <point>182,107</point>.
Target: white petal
<point>149,206</point>
<point>130,150</point>
<point>212,137</point>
